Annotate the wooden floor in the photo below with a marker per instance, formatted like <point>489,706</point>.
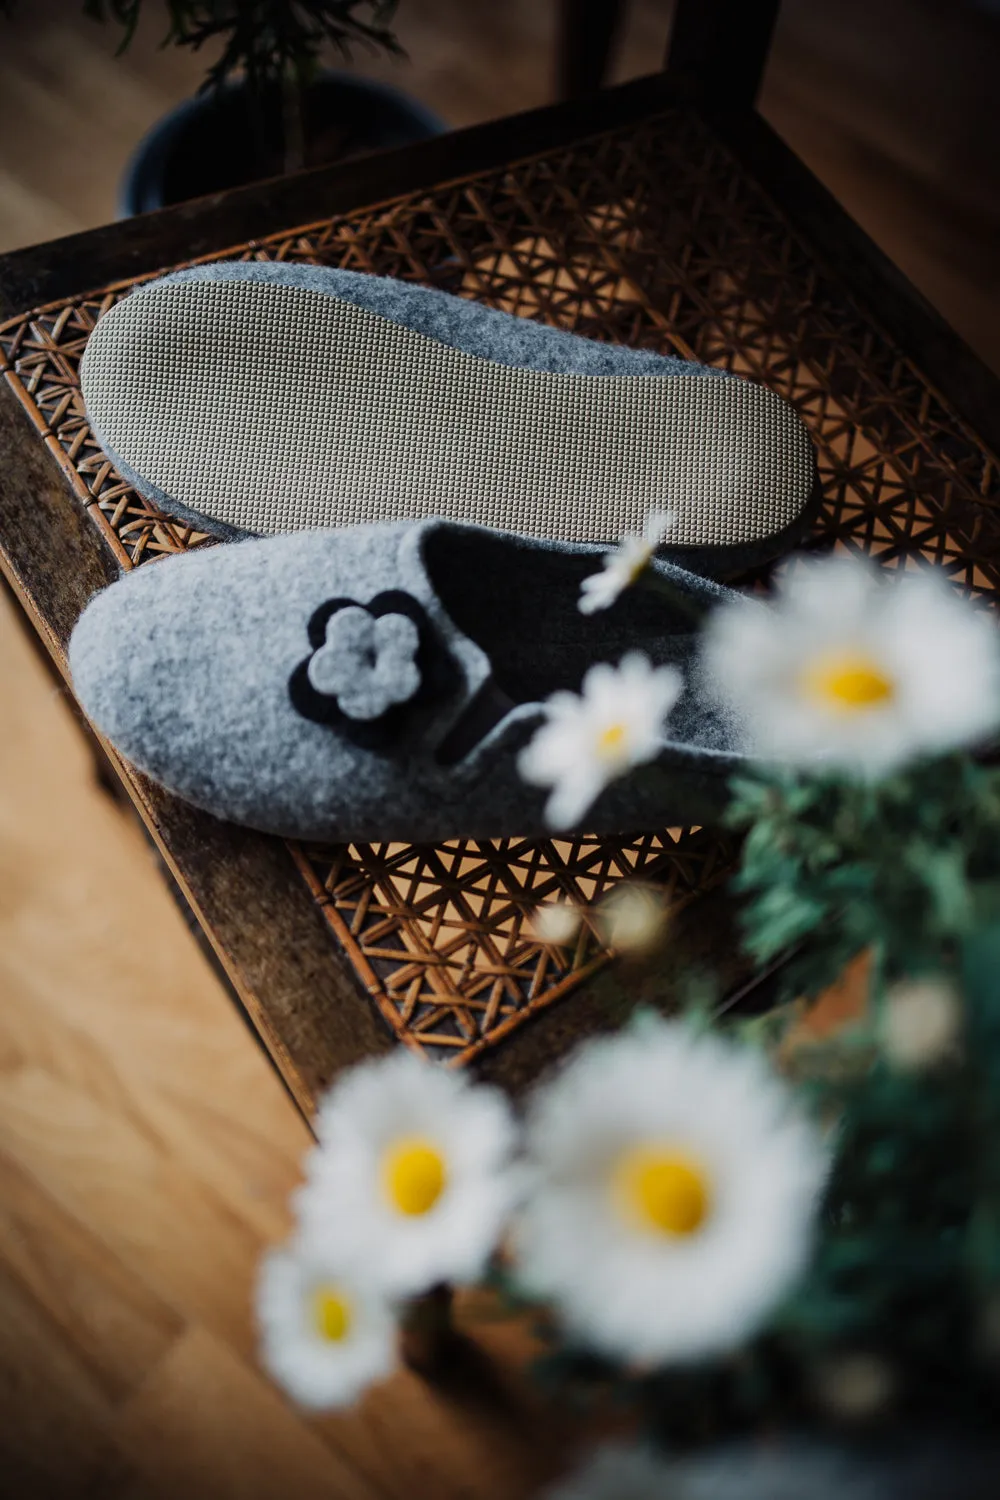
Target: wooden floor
<point>146,1149</point>
<point>146,1155</point>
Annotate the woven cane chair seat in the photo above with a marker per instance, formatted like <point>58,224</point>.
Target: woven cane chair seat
<point>651,234</point>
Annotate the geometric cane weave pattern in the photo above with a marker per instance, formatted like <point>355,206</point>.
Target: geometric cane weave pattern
<point>650,235</point>
<point>441,937</point>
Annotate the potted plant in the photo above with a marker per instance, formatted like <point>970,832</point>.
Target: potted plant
<point>762,1247</point>
<point>267,106</point>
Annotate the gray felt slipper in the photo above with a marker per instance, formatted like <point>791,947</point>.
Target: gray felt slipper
<point>382,682</point>
<point>260,398</point>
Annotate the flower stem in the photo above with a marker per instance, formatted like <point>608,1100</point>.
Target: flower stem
<point>293,121</point>
<point>427,1332</point>
<point>689,605</point>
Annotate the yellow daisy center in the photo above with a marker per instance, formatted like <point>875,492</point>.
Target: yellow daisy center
<point>415,1176</point>
<point>848,682</point>
<point>610,740</point>
<point>331,1314</point>
<point>663,1190</point>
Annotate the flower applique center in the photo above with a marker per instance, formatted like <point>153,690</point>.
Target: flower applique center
<point>665,1191</point>
<point>848,682</point>
<point>367,662</point>
<point>415,1176</point>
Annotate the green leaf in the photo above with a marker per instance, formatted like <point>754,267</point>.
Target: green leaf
<point>942,872</point>
<point>982,1244</point>
<point>981,967</point>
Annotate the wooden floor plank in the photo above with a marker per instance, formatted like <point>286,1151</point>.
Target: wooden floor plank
<point>483,1433</point>
<point>55,1424</point>
<point>146,1147</point>
<point>205,1427</point>
<point>99,1165</point>
<point>145,1050</point>
<point>115,1327</point>
<point>888,102</point>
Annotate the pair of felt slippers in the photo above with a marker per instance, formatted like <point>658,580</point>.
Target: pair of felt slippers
<point>414,488</point>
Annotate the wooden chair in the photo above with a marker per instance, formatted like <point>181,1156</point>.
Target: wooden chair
<point>719,48</point>
<point>664,213</point>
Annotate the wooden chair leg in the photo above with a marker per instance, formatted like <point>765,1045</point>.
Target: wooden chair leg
<point>587,33</point>
<point>719,48</point>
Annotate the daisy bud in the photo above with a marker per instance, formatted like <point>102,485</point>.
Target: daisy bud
<point>920,1024</point>
<point>632,918</point>
<point>557,922</point>
<point>855,1386</point>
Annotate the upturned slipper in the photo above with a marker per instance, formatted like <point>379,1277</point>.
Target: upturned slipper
<point>377,683</point>
<point>261,398</point>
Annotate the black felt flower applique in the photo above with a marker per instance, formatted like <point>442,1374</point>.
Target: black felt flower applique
<point>371,665</point>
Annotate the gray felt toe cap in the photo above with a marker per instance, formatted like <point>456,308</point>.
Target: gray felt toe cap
<point>185,666</point>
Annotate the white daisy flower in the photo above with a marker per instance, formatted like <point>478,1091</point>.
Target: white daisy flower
<point>852,669</point>
<point>617,722</point>
<point>411,1182</point>
<point>324,1337</point>
<point>623,568</point>
<point>672,1186</point>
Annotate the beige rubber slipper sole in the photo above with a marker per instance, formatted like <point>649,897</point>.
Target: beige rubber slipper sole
<point>256,407</point>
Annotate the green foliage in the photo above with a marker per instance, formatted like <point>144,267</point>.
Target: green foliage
<point>272,39</point>
<point>908,866</point>
<point>892,1262</point>
<point>125,12</point>
<point>268,40</point>
<point>907,1260</point>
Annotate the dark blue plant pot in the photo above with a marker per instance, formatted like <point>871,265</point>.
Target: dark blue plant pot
<point>217,140</point>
